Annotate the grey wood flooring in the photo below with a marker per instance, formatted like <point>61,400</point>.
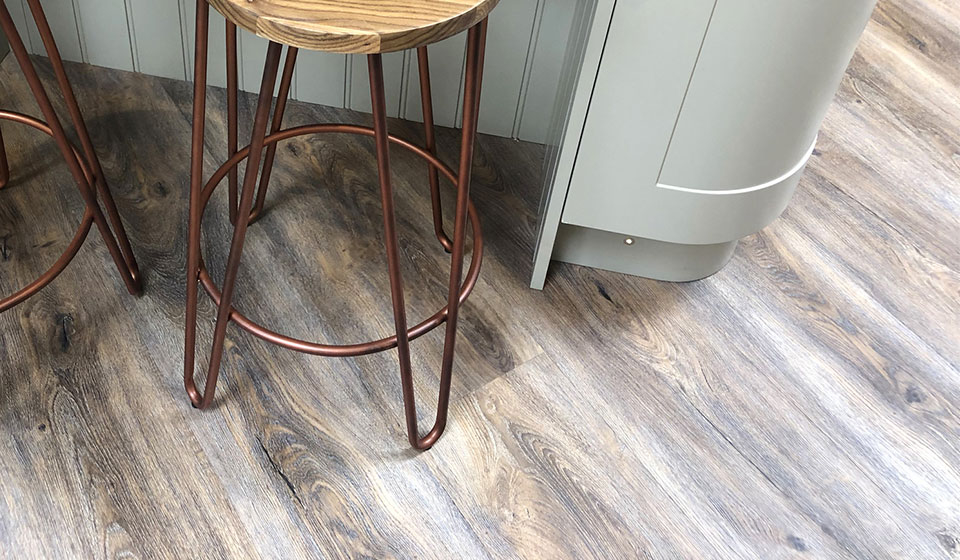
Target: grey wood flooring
<point>804,402</point>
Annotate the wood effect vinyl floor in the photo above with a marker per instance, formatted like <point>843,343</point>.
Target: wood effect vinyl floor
<point>804,402</point>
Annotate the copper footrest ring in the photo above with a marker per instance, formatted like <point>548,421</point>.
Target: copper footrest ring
<point>346,350</point>
<point>79,237</point>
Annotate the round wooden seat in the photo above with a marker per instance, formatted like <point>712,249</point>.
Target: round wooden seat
<point>355,26</point>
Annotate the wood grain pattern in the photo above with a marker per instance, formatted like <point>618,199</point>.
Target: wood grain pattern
<point>802,403</point>
<point>355,26</point>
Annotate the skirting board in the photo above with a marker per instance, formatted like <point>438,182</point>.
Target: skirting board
<point>659,260</point>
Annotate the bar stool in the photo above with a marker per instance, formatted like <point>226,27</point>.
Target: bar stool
<point>370,27</point>
<point>85,167</point>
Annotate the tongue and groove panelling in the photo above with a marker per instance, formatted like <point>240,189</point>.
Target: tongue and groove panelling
<point>526,45</point>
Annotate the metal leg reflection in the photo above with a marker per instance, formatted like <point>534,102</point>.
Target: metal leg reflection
<point>4,166</point>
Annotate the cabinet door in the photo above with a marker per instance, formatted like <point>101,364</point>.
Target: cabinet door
<point>766,76</point>
<point>651,51</point>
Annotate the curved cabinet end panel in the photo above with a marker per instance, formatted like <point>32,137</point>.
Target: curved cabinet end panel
<point>706,216</point>
<point>766,76</point>
<point>711,216</point>
<point>699,125</point>
<point>745,91</point>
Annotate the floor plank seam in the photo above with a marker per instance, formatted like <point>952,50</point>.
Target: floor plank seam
<point>278,469</point>
<point>773,483</point>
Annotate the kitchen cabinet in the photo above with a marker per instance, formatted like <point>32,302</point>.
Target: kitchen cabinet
<point>683,127</point>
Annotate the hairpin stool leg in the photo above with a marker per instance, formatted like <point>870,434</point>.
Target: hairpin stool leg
<point>426,99</point>
<point>475,48</point>
<point>286,79</point>
<point>271,68</point>
<point>117,242</point>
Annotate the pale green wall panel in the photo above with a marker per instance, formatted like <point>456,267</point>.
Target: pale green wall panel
<point>62,19</point>
<point>508,45</point>
<point>758,41</point>
<point>157,36</point>
<point>104,33</point>
<point>392,77</point>
<point>15,7</point>
<point>253,53</point>
<point>217,51</point>
<point>446,77</point>
<point>158,43</point>
<point>321,78</point>
<point>627,134</point>
<point>543,75</point>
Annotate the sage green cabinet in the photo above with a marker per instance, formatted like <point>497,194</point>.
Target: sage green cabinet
<point>689,128</point>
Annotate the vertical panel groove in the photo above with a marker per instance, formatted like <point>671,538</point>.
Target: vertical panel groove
<point>527,66</point>
<point>241,75</point>
<point>458,120</point>
<point>347,80</point>
<point>404,71</point>
<point>686,91</point>
<point>76,19</point>
<point>294,87</point>
<point>405,90</point>
<point>593,90</point>
<point>81,34</point>
<point>513,82</point>
<point>187,71</point>
<point>461,89</point>
<point>132,35</point>
<point>24,33</point>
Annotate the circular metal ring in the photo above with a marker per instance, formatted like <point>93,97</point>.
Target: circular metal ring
<point>79,237</point>
<point>339,350</point>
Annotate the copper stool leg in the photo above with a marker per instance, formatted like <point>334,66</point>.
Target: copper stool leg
<point>271,68</point>
<point>196,213</point>
<point>286,81</point>
<point>282,96</point>
<point>476,41</point>
<point>430,135</point>
<point>132,277</point>
<point>87,172</point>
<point>240,230</point>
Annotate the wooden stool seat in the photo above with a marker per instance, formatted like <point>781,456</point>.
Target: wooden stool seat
<point>355,26</point>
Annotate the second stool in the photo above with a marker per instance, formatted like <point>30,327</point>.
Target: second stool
<point>84,165</point>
